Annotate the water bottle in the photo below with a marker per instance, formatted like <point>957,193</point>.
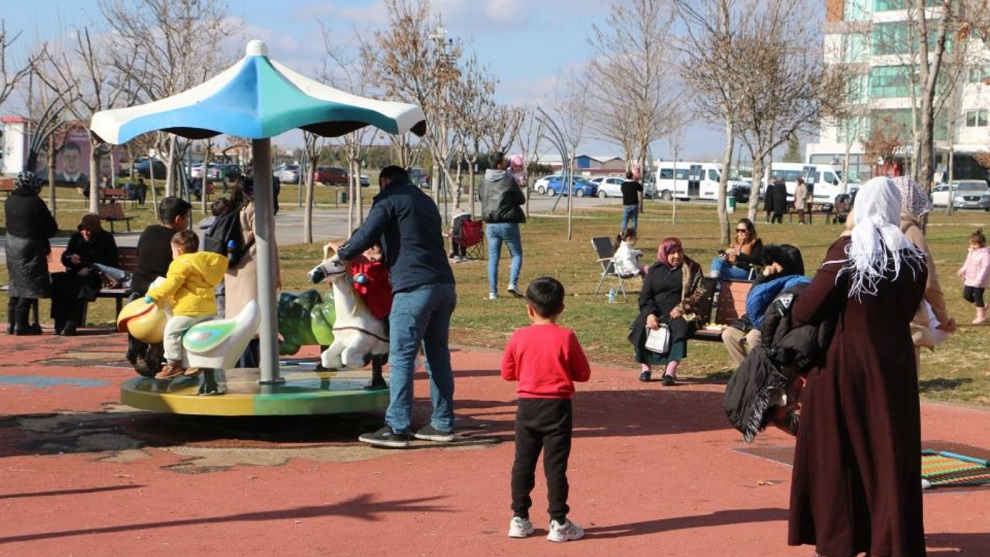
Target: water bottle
<point>231,248</point>
<point>611,295</point>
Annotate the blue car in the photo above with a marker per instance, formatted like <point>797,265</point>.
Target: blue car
<point>579,186</point>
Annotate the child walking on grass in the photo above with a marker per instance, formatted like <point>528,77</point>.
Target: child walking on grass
<point>190,284</point>
<point>545,359</point>
<point>975,273</point>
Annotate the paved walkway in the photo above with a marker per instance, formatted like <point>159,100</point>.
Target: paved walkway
<point>654,471</point>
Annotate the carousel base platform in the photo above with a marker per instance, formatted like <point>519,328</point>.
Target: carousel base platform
<point>302,393</point>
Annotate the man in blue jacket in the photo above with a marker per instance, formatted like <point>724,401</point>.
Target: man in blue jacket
<point>408,225</point>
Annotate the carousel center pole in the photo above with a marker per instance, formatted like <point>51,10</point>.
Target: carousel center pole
<point>264,233</point>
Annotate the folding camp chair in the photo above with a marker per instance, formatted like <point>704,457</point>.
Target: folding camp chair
<point>473,239</point>
<point>604,252</point>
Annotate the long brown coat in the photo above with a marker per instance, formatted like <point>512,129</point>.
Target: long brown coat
<point>856,484</point>
<point>241,282</point>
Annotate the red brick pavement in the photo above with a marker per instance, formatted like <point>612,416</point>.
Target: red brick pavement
<point>654,471</point>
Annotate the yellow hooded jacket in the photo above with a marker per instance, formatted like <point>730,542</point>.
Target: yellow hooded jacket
<point>190,283</point>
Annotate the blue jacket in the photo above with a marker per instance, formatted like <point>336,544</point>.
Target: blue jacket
<point>761,294</point>
<point>407,223</point>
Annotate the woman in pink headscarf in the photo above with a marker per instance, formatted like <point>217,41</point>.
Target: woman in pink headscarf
<point>671,291</point>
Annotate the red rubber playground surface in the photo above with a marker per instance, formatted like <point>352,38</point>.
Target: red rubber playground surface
<point>654,471</point>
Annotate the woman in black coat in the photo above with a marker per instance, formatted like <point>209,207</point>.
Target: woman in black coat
<point>29,226</point>
<point>80,282</point>
<point>671,291</point>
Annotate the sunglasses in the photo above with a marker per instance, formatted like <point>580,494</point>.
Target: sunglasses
<point>738,230</point>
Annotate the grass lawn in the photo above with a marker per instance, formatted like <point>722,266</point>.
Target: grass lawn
<point>958,370</point>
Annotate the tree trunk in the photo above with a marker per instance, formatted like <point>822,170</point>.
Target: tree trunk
<point>723,217</point>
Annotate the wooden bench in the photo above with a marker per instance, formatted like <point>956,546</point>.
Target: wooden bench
<point>114,212</point>
<point>729,305</point>
<point>113,195</point>
<point>126,261</point>
<point>823,209</point>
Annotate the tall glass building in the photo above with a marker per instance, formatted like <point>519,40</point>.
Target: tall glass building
<point>873,43</point>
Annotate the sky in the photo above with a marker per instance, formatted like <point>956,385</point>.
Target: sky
<point>530,45</point>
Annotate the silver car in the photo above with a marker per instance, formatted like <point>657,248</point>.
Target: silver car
<point>965,194</point>
<point>608,186</point>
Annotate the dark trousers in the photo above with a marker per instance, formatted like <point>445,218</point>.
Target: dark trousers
<point>457,249</point>
<point>777,218</point>
<point>542,424</point>
<point>19,311</point>
<point>973,295</point>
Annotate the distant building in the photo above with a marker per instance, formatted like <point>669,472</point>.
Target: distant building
<point>868,39</point>
<point>587,164</point>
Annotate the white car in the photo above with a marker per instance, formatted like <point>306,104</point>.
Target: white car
<point>608,186</point>
<point>541,185</point>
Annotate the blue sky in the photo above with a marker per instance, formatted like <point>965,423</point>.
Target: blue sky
<point>528,44</point>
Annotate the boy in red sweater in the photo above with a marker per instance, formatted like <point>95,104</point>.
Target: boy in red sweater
<point>546,360</point>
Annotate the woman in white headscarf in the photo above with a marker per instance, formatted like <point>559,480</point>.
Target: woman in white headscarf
<point>915,205</point>
<point>856,484</point>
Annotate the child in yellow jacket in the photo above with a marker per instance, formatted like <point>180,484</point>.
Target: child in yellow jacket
<point>190,285</point>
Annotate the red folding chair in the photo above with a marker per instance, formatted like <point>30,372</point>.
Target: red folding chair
<point>473,239</point>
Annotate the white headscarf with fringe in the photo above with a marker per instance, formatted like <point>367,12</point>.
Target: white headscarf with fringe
<point>877,245</point>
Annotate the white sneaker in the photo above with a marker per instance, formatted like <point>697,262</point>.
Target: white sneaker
<point>492,296</point>
<point>520,527</point>
<point>568,531</point>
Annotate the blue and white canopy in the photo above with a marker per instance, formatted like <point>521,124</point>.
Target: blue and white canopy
<point>257,98</point>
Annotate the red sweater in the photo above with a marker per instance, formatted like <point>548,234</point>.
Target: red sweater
<point>376,290</point>
<point>546,360</point>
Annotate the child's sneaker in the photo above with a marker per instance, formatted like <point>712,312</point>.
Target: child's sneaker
<point>520,527</point>
<point>568,531</point>
<point>169,371</point>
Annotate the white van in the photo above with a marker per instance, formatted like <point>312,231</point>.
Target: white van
<point>824,181</point>
<point>696,180</point>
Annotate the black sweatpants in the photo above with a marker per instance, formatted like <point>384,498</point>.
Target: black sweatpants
<point>542,424</point>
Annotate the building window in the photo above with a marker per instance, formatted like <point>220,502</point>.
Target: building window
<point>888,82</point>
<point>977,118</point>
<point>979,74</point>
<point>890,5</point>
<point>856,48</point>
<point>856,10</point>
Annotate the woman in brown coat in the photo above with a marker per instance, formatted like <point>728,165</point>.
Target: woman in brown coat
<point>856,484</point>
<point>914,205</point>
<point>241,281</point>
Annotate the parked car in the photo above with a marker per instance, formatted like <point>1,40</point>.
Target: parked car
<point>541,185</point>
<point>608,186</point>
<point>965,194</point>
<point>365,182</point>
<point>580,186</point>
<point>226,172</point>
<point>418,177</point>
<point>143,168</point>
<point>287,173</point>
<point>331,175</point>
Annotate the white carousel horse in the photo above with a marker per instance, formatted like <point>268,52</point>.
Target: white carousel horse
<point>358,335</point>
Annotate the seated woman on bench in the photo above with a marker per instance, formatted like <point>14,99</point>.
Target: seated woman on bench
<point>671,291</point>
<point>81,281</point>
<point>737,260</point>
